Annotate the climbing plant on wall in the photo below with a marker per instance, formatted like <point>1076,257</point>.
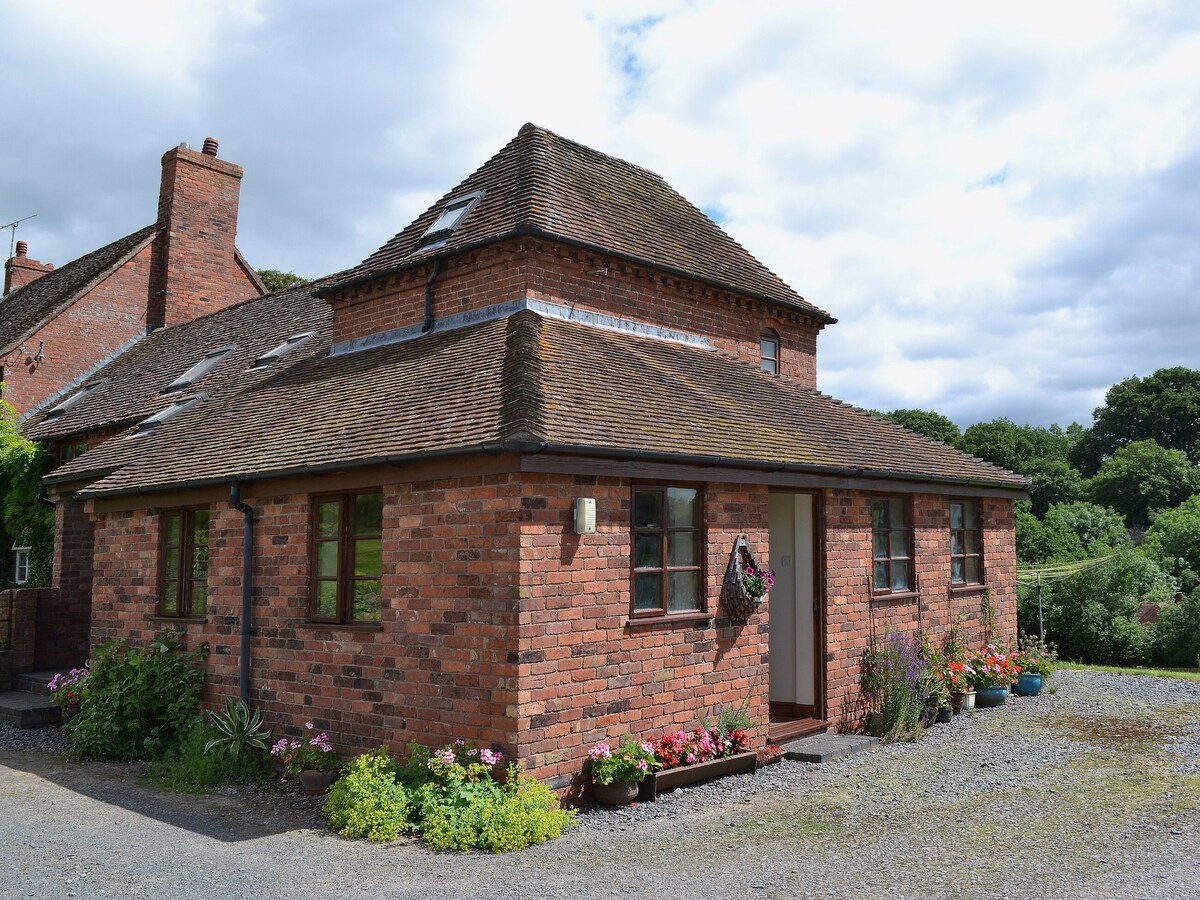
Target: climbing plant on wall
<point>22,465</point>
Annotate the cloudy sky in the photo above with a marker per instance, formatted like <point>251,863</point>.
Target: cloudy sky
<point>1000,202</point>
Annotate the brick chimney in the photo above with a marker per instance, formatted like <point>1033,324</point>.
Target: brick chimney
<point>20,270</point>
<point>195,268</point>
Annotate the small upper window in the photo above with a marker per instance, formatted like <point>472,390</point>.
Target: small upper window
<point>20,562</point>
<point>75,399</point>
<point>164,414</point>
<point>70,450</point>
<point>199,370</point>
<point>282,350</point>
<point>768,348</point>
<point>448,219</point>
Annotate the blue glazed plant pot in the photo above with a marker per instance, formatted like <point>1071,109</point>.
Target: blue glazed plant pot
<point>994,695</point>
<point>1028,685</point>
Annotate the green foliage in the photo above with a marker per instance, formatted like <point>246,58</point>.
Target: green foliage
<point>1163,407</point>
<point>1177,635</point>
<point>1016,447</point>
<point>192,769</point>
<point>367,801</point>
<point>22,515</point>
<point>138,702</point>
<point>1144,476</point>
<point>1174,542</point>
<point>932,425</point>
<point>237,729</point>
<point>1054,481</point>
<point>892,673</point>
<point>275,280</point>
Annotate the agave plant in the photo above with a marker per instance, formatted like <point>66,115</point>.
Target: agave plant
<point>239,728</point>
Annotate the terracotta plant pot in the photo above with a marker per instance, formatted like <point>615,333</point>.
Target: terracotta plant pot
<point>958,699</point>
<point>317,781</point>
<point>619,793</point>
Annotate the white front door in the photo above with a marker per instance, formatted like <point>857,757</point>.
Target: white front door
<point>792,661</point>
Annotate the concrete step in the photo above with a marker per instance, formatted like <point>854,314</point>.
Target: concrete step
<point>28,710</point>
<point>38,682</point>
<point>823,748</point>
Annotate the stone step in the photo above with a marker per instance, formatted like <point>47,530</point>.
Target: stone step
<point>37,682</point>
<point>823,748</point>
<point>28,710</point>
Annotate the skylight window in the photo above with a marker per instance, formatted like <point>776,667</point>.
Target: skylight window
<point>75,399</point>
<point>282,350</point>
<point>199,370</point>
<point>448,219</point>
<point>170,412</point>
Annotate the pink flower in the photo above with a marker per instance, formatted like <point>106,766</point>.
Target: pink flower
<point>309,725</point>
<point>489,757</point>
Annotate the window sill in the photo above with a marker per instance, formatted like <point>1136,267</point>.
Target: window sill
<point>180,620</point>
<point>342,626</point>
<point>668,619</point>
<point>896,597</point>
<point>956,589</point>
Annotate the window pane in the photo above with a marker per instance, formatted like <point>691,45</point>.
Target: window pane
<point>171,563</point>
<point>368,514</point>
<point>900,580</point>
<point>327,557</point>
<point>170,598</point>
<point>958,570</point>
<point>681,549</point>
<point>368,557</point>
<point>683,591</point>
<point>200,527</point>
<point>881,576</point>
<point>972,514</point>
<point>956,515</point>
<point>366,601</point>
<point>878,514</point>
<point>972,541</point>
<point>327,519</point>
<point>973,573</point>
<point>200,563</point>
<point>199,598</point>
<point>647,591</point>
<point>897,513</point>
<point>880,543</point>
<point>956,543</point>
<point>682,507</point>
<point>647,551</point>
<point>647,509</point>
<point>173,524</point>
<point>899,543</point>
<point>327,599</point>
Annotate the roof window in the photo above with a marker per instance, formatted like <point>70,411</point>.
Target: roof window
<point>169,413</point>
<point>282,350</point>
<point>455,210</point>
<point>75,399</point>
<point>199,370</point>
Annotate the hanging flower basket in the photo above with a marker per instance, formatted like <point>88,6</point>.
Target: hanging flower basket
<point>746,584</point>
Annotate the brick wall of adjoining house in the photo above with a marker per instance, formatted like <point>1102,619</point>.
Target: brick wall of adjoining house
<point>563,275</point>
<point>443,664</point>
<point>64,612</point>
<point>853,616</point>
<point>18,632</point>
<point>79,339</point>
<point>587,673</point>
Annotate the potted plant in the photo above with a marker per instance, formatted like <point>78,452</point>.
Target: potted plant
<point>994,672</point>
<point>617,774</point>
<point>957,677</point>
<point>66,690</point>
<point>1036,659</point>
<point>311,758</point>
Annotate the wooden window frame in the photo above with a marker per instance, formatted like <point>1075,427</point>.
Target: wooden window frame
<point>662,612</point>
<point>345,576</point>
<point>184,589</point>
<point>769,335</point>
<point>907,527</point>
<point>964,555</point>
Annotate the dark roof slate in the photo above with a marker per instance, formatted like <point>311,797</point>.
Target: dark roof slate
<point>524,379</point>
<point>28,307</point>
<point>542,183</point>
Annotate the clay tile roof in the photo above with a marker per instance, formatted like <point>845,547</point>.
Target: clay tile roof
<point>543,184</point>
<point>28,307</point>
<point>524,383</point>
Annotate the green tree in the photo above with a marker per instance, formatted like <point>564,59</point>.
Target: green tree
<point>22,515</point>
<point>1068,531</point>
<point>1177,637</point>
<point>1016,447</point>
<point>277,281</point>
<point>1038,543</point>
<point>931,424</point>
<point>1054,481</point>
<point>1144,476</point>
<point>1163,407</point>
<point>1173,541</point>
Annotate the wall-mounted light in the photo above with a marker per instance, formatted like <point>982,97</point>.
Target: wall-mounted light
<point>40,355</point>
<point>585,515</point>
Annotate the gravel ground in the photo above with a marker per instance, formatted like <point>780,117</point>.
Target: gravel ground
<point>1091,792</point>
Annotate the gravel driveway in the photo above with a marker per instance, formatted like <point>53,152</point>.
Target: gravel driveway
<point>1092,792</point>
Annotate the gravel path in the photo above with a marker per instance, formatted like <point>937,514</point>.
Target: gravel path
<point>1091,792</point>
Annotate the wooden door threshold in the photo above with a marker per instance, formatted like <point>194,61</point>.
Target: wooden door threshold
<point>788,729</point>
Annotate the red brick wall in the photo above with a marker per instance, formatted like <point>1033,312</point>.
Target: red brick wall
<point>562,275</point>
<point>852,615</point>
<point>79,339</point>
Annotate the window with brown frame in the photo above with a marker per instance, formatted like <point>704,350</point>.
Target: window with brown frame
<point>891,539</point>
<point>966,543</point>
<point>347,558</point>
<point>183,569</point>
<point>667,571</point>
<point>768,349</point>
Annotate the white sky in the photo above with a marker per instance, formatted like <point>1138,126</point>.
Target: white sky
<point>999,202</point>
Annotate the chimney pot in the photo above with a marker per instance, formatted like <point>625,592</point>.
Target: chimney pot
<point>210,146</point>
<point>22,248</point>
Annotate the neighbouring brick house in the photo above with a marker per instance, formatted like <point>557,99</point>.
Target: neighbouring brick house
<point>401,454</point>
<point>59,326</point>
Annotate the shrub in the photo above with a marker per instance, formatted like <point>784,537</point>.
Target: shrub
<point>892,673</point>
<point>1178,634</point>
<point>367,801</point>
<point>237,729</point>
<point>190,768</point>
<point>137,703</point>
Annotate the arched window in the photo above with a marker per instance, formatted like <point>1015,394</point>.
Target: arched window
<point>768,348</point>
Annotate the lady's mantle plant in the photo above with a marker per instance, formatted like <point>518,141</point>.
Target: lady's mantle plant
<point>631,761</point>
<point>313,751</point>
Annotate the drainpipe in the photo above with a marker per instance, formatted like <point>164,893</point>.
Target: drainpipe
<point>433,274</point>
<point>235,500</point>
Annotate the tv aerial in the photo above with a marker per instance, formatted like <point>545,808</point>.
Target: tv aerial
<point>13,225</point>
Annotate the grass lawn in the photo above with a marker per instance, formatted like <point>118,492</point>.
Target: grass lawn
<point>1185,674</point>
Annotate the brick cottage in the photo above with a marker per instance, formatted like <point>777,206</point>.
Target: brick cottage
<point>493,483</point>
